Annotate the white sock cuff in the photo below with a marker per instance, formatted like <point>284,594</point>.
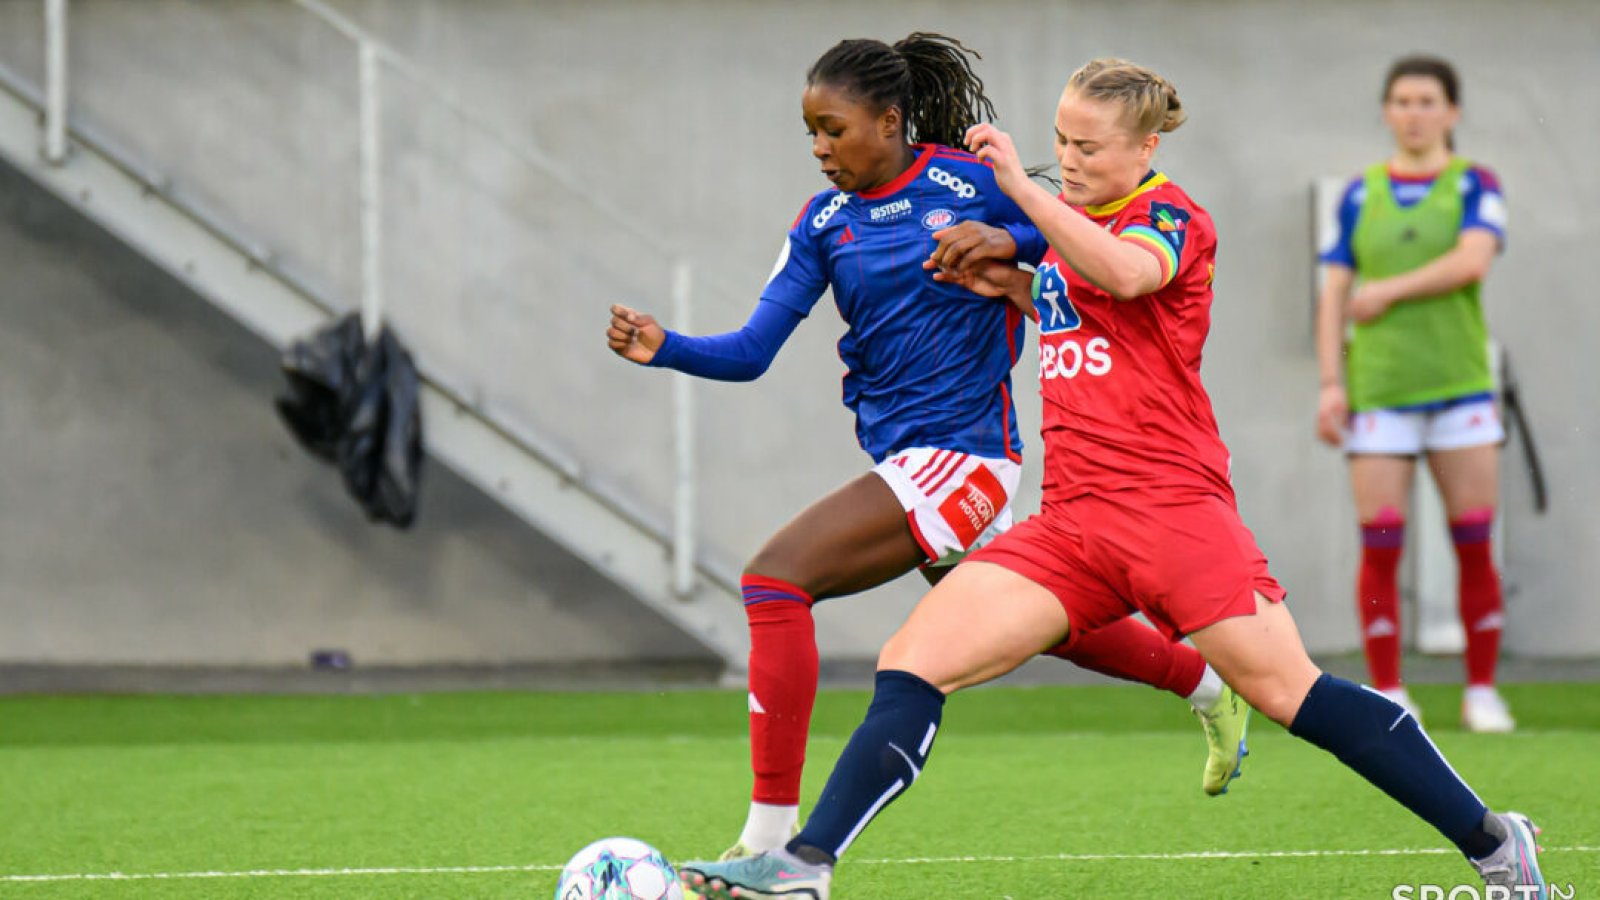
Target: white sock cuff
<point>768,826</point>
<point>1207,692</point>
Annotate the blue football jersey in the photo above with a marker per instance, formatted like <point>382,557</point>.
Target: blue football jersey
<point>928,364</point>
<point>1483,205</point>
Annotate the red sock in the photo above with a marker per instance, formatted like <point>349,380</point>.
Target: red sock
<point>1481,610</point>
<point>783,685</point>
<point>1132,650</point>
<point>1378,595</point>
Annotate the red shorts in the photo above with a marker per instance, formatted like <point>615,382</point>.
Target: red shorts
<point>1184,564</point>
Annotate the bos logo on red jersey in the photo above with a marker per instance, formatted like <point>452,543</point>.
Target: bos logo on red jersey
<point>1051,302</point>
<point>972,508</point>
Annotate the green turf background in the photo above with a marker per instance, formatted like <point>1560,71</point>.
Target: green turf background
<point>187,784</point>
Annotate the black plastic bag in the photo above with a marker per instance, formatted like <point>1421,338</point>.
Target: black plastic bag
<point>356,405</point>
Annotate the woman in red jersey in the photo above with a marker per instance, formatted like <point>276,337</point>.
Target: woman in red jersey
<point>943,437</point>
<point>1139,512</point>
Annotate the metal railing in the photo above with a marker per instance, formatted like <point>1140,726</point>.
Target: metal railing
<point>372,53</point>
<point>55,103</point>
<point>374,60</point>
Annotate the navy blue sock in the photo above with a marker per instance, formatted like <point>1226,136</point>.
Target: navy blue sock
<point>1382,742</point>
<point>883,758</point>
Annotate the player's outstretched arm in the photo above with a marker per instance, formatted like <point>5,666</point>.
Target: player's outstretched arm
<point>1123,269</point>
<point>633,335</point>
<point>742,355</point>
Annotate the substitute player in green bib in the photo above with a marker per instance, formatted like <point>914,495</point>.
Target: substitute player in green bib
<point>1417,233</point>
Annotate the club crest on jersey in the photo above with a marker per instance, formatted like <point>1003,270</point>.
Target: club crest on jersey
<point>935,219</point>
<point>1050,301</point>
<point>1172,223</point>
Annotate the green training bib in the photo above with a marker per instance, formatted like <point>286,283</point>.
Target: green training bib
<point>1426,349</point>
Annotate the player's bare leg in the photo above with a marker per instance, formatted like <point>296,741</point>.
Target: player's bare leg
<point>857,538</point>
<point>853,539</point>
<point>1262,656</point>
<point>1133,651</point>
<point>1468,480</point>
<point>978,623</point>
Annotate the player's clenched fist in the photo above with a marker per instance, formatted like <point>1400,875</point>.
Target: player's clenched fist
<point>634,335</point>
<point>994,146</point>
<point>968,244</point>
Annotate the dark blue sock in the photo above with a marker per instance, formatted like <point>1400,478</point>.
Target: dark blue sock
<point>883,758</point>
<point>1382,742</point>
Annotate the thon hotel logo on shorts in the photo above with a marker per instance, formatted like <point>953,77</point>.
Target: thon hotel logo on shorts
<point>1473,892</point>
<point>972,508</point>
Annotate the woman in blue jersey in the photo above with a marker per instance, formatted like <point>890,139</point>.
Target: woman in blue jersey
<point>929,381</point>
<point>1417,232</point>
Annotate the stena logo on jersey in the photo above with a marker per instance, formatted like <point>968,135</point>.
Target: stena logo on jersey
<point>826,213</point>
<point>935,219</point>
<point>1050,301</point>
<point>890,211</point>
<point>956,183</point>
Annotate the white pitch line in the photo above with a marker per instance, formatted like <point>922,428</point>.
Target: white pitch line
<point>914,861</point>
<point>281,873</point>
<point>1197,854</point>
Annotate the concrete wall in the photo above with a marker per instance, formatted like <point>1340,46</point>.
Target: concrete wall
<point>156,512</point>
<point>685,117</point>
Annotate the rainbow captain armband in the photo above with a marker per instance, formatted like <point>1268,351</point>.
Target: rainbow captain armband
<point>1163,237</point>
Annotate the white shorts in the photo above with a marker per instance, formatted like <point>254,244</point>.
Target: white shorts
<point>955,502</point>
<point>1407,432</point>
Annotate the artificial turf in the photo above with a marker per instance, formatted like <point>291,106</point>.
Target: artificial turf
<point>1031,792</point>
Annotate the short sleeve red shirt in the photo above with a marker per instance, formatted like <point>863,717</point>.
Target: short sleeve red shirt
<point>1124,408</point>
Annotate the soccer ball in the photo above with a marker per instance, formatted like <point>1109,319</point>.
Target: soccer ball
<point>618,868</point>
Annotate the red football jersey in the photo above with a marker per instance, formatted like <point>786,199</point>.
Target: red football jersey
<point>1124,408</point>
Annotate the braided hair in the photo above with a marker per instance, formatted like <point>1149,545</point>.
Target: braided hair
<point>928,76</point>
<point>1149,102</point>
